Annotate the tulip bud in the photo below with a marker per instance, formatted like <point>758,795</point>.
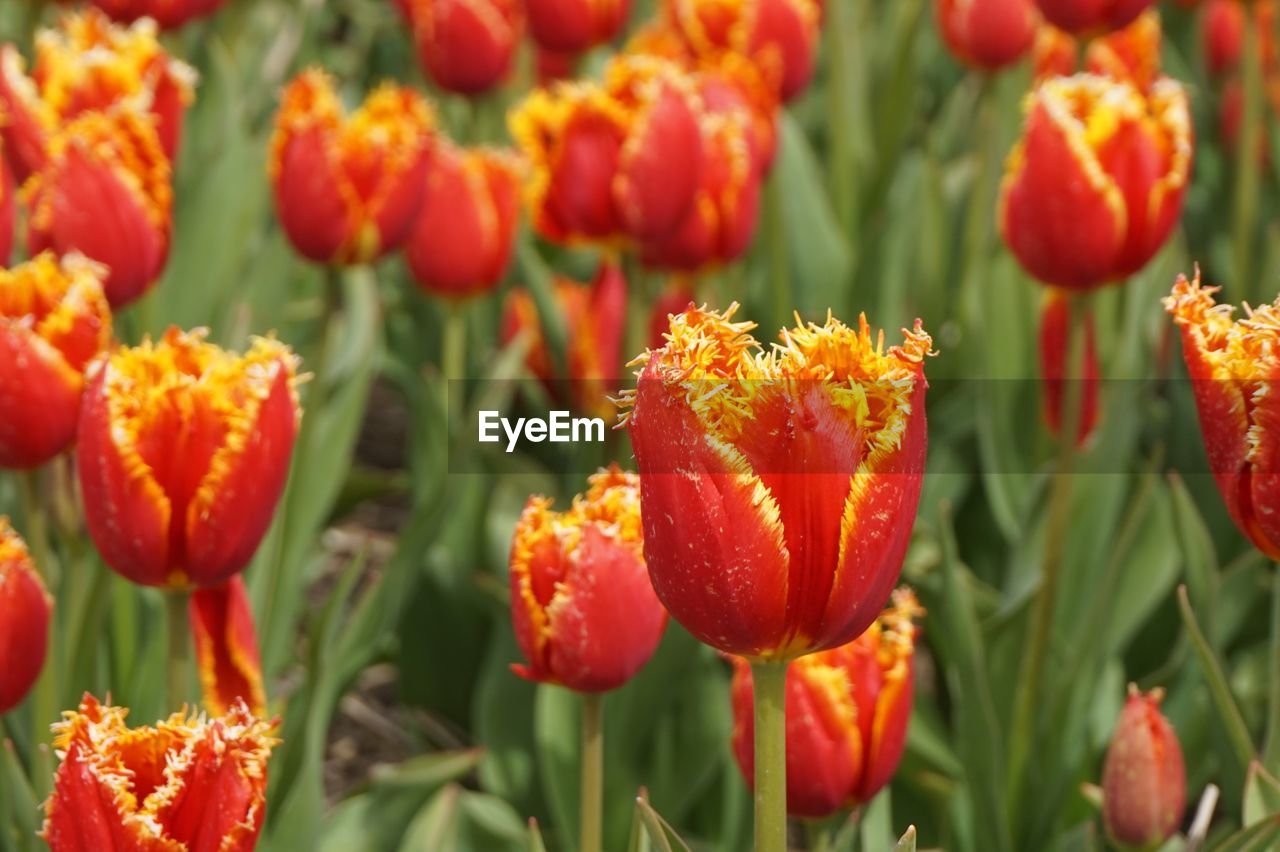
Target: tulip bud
<point>1144,782</point>
<point>1055,341</point>
<point>184,450</point>
<point>1117,159</point>
<point>24,620</point>
<point>348,187</point>
<point>186,783</point>
<point>1229,364</point>
<point>226,644</point>
<point>1222,34</point>
<point>1131,54</point>
<point>461,243</point>
<point>105,191</point>
<point>847,712</point>
<point>553,66</point>
<point>89,64</point>
<point>573,26</point>
<point>987,34</point>
<point>583,609</point>
<point>167,13</point>
<point>1090,17</point>
<point>465,46</point>
<point>613,161</point>
<point>778,489</point>
<point>54,320</point>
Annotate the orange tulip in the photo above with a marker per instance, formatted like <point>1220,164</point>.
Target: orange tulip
<point>987,34</point>
<point>348,187</point>
<point>24,620</point>
<point>778,489</point>
<point>1144,781</point>
<point>184,784</point>
<point>847,714</point>
<point>54,320</point>
<point>465,46</point>
<point>167,13</point>
<point>1083,17</point>
<point>461,243</point>
<point>105,191</point>
<point>89,64</point>
<point>226,644</point>
<point>184,451</point>
<point>583,609</point>
<point>1096,183</point>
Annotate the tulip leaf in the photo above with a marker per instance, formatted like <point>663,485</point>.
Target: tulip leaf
<point>541,284</point>
<point>876,826</point>
<point>907,843</point>
<point>556,733</point>
<point>659,831</point>
<point>1261,795</point>
<point>18,805</point>
<point>437,825</point>
<point>536,843</point>
<point>1254,838</point>
<point>1200,561</point>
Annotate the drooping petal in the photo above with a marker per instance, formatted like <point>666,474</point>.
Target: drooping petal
<point>226,644</point>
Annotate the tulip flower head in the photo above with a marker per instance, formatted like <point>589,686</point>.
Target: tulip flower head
<point>1096,184</point>
<point>184,450</point>
<point>167,13</point>
<point>226,643</point>
<point>348,187</point>
<point>24,620</point>
<point>465,46</point>
<point>1054,54</point>
<point>54,320</point>
<point>1091,17</point>
<point>1231,364</point>
<point>187,783</point>
<point>1131,54</point>
<point>778,489</point>
<point>847,713</point>
<point>584,612</point>
<point>987,34</point>
<point>1144,781</point>
<point>573,26</point>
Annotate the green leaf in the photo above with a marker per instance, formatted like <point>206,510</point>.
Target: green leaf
<point>908,841</point>
<point>659,831</point>
<point>1199,560</point>
<point>1254,838</point>
<point>1261,795</point>
<point>535,837</point>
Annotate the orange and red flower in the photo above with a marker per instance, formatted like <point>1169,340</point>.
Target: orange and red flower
<point>186,783</point>
<point>1131,54</point>
<point>8,209</point>
<point>348,187</point>
<point>616,160</point>
<point>778,489</point>
<point>988,34</point>
<point>226,643</point>
<point>1096,183</point>
<point>24,620</point>
<point>54,320</point>
<point>1232,366</point>
<point>583,609</point>
<point>1055,53</point>
<point>89,64</point>
<point>847,712</point>
<point>105,190</point>
<point>674,300</point>
<point>1144,781</point>
<point>166,13</point>
<point>572,26</point>
<point>461,243</point>
<point>465,46</point>
<point>184,450</point>
<point>1091,17</point>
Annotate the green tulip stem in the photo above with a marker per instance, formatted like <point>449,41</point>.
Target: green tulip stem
<point>179,657</point>
<point>769,679</point>
<point>45,695</point>
<point>592,794</point>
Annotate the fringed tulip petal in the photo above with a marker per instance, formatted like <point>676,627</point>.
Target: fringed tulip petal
<point>226,644</point>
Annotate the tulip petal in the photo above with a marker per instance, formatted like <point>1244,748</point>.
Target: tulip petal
<point>311,210</point>
<point>39,399</point>
<point>226,645</point>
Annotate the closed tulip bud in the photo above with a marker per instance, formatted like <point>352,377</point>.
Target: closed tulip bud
<point>1230,364</point>
<point>778,489</point>
<point>987,34</point>
<point>615,161</point>
<point>226,644</point>
<point>1055,341</point>
<point>573,26</point>
<point>465,46</point>
<point>779,35</point>
<point>847,714</point>
<point>583,609</point>
<point>184,450</point>
<point>461,243</point>
<point>1091,17</point>
<point>552,66</point>
<point>105,191</point>
<point>1222,35</point>
<point>348,187</point>
<point>1117,159</point>
<point>1144,782</point>
<point>167,13</point>
<point>186,783</point>
<point>24,620</point>
<point>675,299</point>
<point>728,83</point>
<point>1055,53</point>
<point>1131,54</point>
<point>89,64</point>
<point>54,320</point>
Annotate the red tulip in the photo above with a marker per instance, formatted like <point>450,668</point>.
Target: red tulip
<point>54,320</point>
<point>466,46</point>
<point>167,13</point>
<point>1055,53</point>
<point>186,783</point>
<point>573,26</point>
<point>987,34</point>
<point>461,243</point>
<point>184,451</point>
<point>1144,781</point>
<point>614,161</point>
<point>1131,54</point>
<point>1222,33</point>
<point>583,609</point>
<point>1230,364</point>
<point>1096,184</point>
<point>226,644</point>
<point>1080,17</point>
<point>89,64</point>
<point>847,713</point>
<point>24,620</point>
<point>675,299</point>
<point>348,187</point>
<point>105,191</point>
<point>778,489</point>
<point>8,210</point>
<point>1055,341</point>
